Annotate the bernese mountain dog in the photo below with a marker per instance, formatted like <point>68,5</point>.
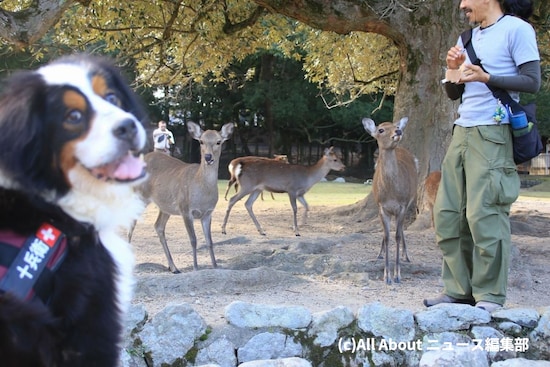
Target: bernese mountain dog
<point>70,134</point>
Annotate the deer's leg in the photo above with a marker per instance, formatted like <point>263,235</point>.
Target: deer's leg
<point>382,244</point>
<point>382,249</point>
<point>131,230</point>
<point>400,237</point>
<point>232,202</point>
<point>303,201</point>
<point>385,219</point>
<point>188,221</point>
<point>229,184</point>
<point>160,225</point>
<point>292,198</point>
<point>206,223</point>
<point>133,225</point>
<point>272,197</point>
<point>249,202</point>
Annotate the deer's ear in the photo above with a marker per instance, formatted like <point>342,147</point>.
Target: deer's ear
<point>369,125</point>
<point>194,129</point>
<point>403,123</point>
<point>227,130</point>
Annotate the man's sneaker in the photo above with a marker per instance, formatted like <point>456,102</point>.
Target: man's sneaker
<point>488,306</point>
<point>443,298</point>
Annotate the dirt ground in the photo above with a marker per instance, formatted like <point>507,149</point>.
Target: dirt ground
<point>332,263</point>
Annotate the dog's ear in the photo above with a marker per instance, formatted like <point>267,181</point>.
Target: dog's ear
<point>23,157</point>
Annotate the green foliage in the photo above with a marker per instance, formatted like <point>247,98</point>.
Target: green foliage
<point>205,55</point>
<point>11,60</point>
<point>177,43</point>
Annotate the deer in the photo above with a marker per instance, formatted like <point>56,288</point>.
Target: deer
<point>188,190</point>
<point>431,185</point>
<point>394,187</point>
<point>255,176</point>
<point>235,162</point>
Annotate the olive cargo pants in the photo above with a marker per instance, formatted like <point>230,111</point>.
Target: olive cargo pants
<point>479,183</point>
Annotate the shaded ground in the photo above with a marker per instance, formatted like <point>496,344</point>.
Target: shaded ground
<point>332,263</point>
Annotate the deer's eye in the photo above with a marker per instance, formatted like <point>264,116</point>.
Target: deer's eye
<point>380,131</point>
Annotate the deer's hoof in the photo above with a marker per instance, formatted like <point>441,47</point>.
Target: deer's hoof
<point>175,271</point>
<point>388,281</point>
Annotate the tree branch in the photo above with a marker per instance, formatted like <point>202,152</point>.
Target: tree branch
<point>25,27</point>
<point>230,28</point>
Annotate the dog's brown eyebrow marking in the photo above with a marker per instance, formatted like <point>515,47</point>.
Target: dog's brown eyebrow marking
<point>99,85</point>
<point>75,101</point>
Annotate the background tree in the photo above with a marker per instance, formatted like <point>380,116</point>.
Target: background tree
<point>176,42</point>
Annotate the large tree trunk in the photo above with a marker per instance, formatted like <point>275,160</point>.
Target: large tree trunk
<point>423,31</point>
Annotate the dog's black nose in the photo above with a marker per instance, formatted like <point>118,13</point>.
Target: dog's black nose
<point>126,130</point>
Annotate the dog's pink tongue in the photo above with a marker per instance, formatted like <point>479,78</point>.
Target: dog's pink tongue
<point>129,168</point>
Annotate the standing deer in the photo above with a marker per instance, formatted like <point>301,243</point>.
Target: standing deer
<point>394,186</point>
<point>189,190</point>
<point>254,176</point>
<point>235,162</point>
<point>431,185</point>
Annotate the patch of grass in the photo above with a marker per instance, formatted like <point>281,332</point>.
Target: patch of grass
<point>335,194</point>
<point>325,193</point>
<point>540,191</point>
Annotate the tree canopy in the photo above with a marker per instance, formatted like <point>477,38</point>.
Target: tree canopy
<point>347,47</point>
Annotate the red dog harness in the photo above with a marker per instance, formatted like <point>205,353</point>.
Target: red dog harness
<point>27,264</point>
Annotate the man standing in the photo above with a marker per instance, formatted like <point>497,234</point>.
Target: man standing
<point>479,179</point>
<point>163,138</point>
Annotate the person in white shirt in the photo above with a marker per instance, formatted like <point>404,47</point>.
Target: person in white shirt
<point>163,138</point>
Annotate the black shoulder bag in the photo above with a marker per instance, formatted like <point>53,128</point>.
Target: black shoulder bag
<point>527,145</point>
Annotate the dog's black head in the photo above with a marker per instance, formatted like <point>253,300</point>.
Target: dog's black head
<point>72,123</point>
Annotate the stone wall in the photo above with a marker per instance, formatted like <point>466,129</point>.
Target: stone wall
<point>375,335</point>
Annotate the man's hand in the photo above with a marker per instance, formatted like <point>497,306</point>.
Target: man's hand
<point>455,57</point>
<point>473,73</point>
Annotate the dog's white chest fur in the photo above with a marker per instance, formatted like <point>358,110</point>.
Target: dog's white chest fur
<point>111,208</point>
